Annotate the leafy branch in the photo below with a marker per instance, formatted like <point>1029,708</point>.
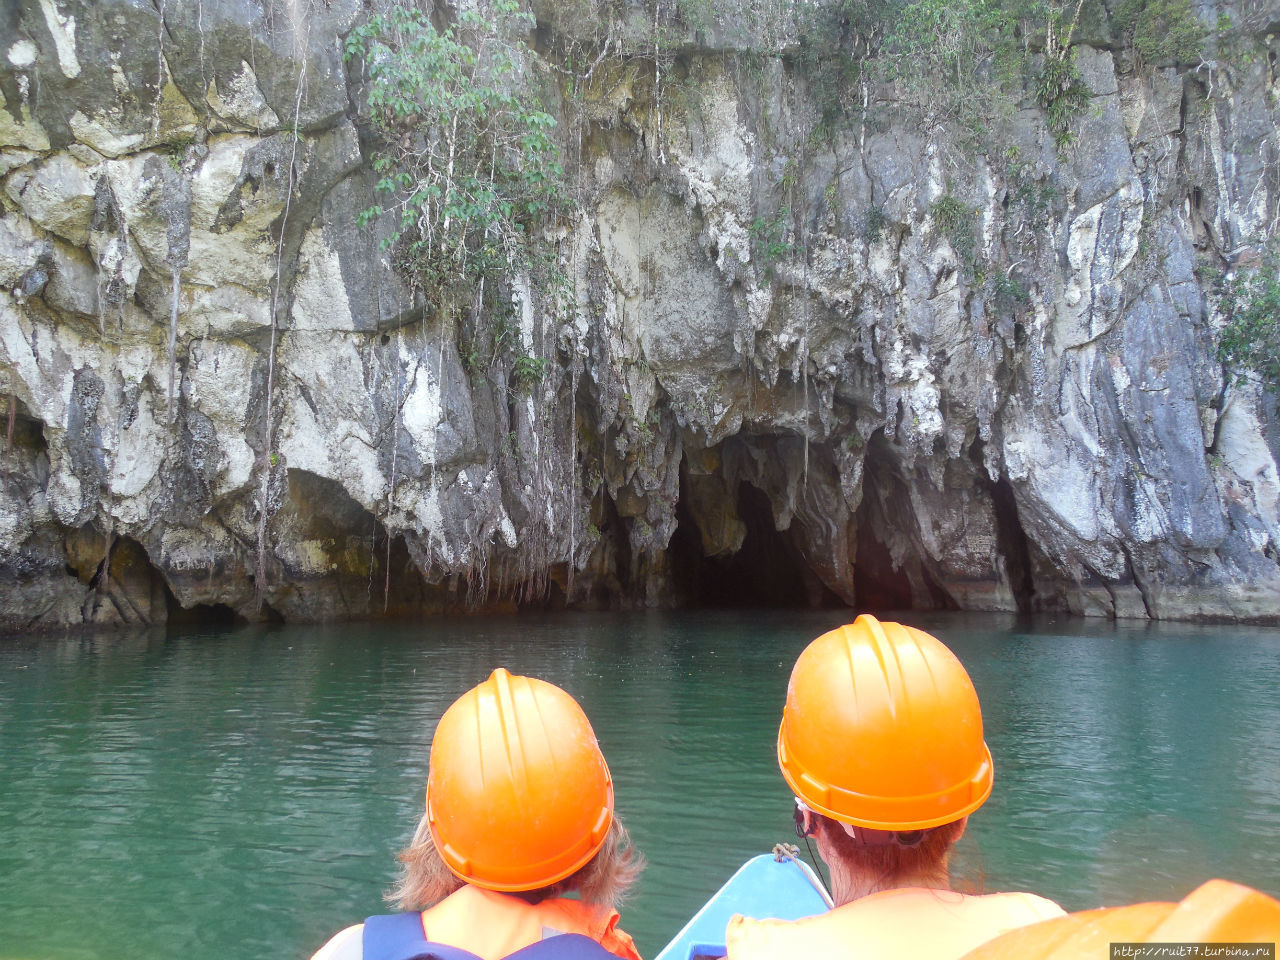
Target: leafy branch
<point>769,244</point>
<point>1249,343</point>
<point>467,159</point>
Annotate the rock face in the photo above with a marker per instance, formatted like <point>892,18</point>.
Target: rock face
<point>866,368</point>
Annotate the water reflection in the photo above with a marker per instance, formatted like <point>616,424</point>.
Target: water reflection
<point>242,794</point>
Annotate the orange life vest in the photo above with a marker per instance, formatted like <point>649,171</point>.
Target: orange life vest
<point>1215,912</point>
<point>493,924</point>
<point>905,924</point>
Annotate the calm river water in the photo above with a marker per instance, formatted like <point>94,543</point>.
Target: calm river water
<point>241,794</point>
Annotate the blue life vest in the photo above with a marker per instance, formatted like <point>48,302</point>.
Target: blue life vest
<point>399,936</point>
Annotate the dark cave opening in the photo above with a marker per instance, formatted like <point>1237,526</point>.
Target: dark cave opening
<point>271,616</point>
<point>23,449</point>
<point>214,616</point>
<point>612,528</point>
<point>198,616</point>
<point>766,571</point>
<point>125,588</point>
<point>886,512</point>
<point>23,430</point>
<point>1011,538</point>
<point>877,584</point>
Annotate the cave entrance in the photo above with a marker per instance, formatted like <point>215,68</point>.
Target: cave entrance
<point>26,451</point>
<point>124,587</point>
<point>877,584</point>
<point>767,570</point>
<point>887,517</point>
<point>1011,538</point>
<point>201,616</point>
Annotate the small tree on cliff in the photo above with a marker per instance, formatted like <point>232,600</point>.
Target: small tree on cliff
<point>1249,343</point>
<point>467,160</point>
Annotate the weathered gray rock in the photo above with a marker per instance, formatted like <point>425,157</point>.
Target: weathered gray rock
<point>872,367</point>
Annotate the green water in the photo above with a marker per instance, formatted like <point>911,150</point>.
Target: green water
<point>241,795</point>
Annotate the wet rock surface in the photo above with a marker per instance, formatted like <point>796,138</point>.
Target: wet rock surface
<point>878,409</point>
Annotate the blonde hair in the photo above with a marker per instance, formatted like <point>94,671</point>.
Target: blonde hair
<point>603,880</point>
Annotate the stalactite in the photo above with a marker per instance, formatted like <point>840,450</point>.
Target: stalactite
<point>391,486</point>
<point>173,336</point>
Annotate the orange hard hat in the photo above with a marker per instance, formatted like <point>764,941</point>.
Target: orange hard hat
<point>518,793</point>
<point>882,729</point>
<point>1215,912</point>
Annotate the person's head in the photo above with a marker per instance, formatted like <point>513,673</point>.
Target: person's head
<point>881,743</point>
<point>519,800</point>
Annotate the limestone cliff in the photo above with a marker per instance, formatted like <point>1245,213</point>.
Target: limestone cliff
<point>872,367</point>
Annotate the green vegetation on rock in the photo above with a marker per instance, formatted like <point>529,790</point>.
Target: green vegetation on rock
<point>470,171</point>
<point>1161,31</point>
<point>966,61</point>
<point>956,222</point>
<point>468,162</point>
<point>769,245</point>
<point>1061,94</point>
<point>1249,343</point>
